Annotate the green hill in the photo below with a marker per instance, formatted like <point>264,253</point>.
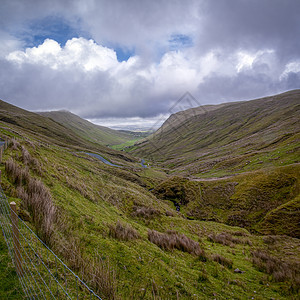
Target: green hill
<point>209,147</point>
<point>117,228</point>
<point>90,131</point>
<point>228,139</point>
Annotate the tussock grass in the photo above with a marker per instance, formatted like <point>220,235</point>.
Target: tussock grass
<point>96,271</point>
<point>38,201</point>
<point>123,232</point>
<point>16,173</point>
<point>173,240</point>
<point>28,160</point>
<point>227,239</point>
<point>36,198</point>
<point>222,260</point>
<point>279,269</point>
<point>145,212</point>
<point>14,144</point>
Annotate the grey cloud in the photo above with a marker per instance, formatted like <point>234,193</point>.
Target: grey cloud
<point>147,26</point>
<point>252,25</point>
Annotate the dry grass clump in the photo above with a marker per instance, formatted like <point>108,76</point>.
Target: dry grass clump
<point>28,160</point>
<point>96,271</point>
<point>226,239</point>
<point>16,173</point>
<point>145,212</point>
<point>36,198</point>
<point>222,260</point>
<point>38,201</point>
<point>239,233</point>
<point>26,157</point>
<point>173,240</point>
<point>279,269</point>
<point>169,213</point>
<point>269,239</point>
<point>123,232</point>
<point>14,144</point>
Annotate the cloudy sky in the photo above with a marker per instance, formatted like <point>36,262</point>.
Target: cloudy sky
<point>128,62</point>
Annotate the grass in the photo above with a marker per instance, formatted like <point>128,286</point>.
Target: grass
<point>228,139</point>
<point>10,287</point>
<point>173,256</point>
<point>258,200</point>
<point>125,145</point>
<point>82,235</point>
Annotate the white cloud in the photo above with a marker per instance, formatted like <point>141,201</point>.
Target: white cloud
<point>79,52</point>
<point>87,79</point>
<point>293,67</point>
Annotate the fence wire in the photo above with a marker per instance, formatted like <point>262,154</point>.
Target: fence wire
<point>41,273</point>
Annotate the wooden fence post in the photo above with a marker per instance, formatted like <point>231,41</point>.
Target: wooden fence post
<point>16,241</point>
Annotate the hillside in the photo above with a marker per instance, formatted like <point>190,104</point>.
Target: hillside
<point>115,228</point>
<point>209,148</point>
<point>90,131</point>
<point>33,126</point>
<point>228,139</point>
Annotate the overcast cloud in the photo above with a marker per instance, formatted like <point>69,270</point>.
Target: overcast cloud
<point>134,59</point>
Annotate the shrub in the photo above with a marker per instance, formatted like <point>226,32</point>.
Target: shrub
<point>123,232</point>
<point>173,240</point>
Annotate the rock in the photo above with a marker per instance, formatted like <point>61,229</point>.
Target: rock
<point>237,270</point>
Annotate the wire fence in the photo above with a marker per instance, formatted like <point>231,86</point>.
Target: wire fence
<point>41,273</point>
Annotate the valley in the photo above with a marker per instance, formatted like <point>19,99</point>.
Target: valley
<point>232,169</point>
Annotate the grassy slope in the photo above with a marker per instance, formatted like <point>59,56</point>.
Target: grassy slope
<point>88,130</point>
<point>233,138</point>
<point>260,201</point>
<point>258,139</point>
<point>22,123</point>
<point>9,282</point>
<point>91,196</point>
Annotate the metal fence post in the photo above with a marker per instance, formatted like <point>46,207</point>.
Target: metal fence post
<point>15,229</point>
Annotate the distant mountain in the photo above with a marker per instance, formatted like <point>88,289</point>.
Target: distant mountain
<point>41,128</point>
<point>88,130</point>
<point>228,138</point>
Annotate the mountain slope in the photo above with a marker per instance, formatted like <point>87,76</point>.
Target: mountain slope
<point>125,241</point>
<point>235,137</point>
<point>40,128</point>
<point>88,130</point>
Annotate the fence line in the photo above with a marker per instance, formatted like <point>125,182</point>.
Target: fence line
<point>41,273</point>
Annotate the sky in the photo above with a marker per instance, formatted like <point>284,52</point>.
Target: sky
<point>130,63</point>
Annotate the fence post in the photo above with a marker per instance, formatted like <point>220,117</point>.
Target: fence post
<point>16,241</point>
<point>1,152</point>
